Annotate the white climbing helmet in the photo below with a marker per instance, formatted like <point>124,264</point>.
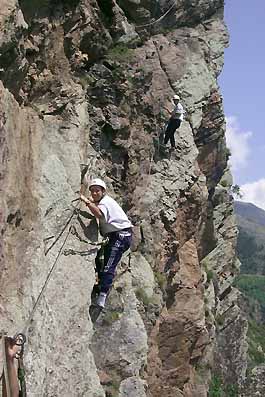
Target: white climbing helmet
<point>97,182</point>
<point>176,97</point>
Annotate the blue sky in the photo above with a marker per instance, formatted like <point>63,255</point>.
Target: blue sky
<point>242,84</point>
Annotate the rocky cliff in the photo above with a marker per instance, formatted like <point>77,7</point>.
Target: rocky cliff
<point>83,88</point>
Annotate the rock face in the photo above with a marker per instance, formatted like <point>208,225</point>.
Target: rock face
<point>254,386</point>
<point>84,86</point>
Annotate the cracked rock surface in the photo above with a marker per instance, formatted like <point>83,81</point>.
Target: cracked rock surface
<point>84,88</point>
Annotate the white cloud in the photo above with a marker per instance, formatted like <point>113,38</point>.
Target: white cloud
<point>238,143</point>
<point>254,193</point>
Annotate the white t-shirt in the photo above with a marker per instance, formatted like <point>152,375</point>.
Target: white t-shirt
<point>178,112</point>
<point>114,219</point>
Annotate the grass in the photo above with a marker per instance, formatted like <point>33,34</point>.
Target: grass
<point>253,286</point>
<point>120,53</point>
<point>218,389</point>
<point>208,271</point>
<point>209,274</point>
<point>256,343</point>
<point>215,389</point>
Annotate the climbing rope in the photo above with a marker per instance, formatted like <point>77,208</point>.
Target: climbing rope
<point>51,269</point>
<point>74,212</point>
<point>69,222</point>
<point>157,20</point>
<point>20,339</point>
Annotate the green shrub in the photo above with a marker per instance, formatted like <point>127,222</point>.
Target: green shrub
<point>161,280</point>
<point>218,389</point>
<point>253,286</point>
<point>250,251</point>
<point>120,53</point>
<point>224,183</point>
<point>110,317</point>
<point>215,389</point>
<point>142,296</point>
<point>209,274</point>
<point>256,343</point>
<point>231,391</point>
<point>235,189</point>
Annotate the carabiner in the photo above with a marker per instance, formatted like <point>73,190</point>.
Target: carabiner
<point>20,339</point>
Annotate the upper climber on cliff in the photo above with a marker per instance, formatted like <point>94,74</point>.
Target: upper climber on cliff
<point>176,117</point>
<point>114,224</point>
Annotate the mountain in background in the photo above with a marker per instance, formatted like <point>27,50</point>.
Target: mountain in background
<point>251,238</point>
<point>250,212</point>
<point>251,282</point>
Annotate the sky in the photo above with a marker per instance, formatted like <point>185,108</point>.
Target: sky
<point>242,84</point>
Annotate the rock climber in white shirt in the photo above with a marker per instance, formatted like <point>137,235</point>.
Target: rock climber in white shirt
<point>114,224</point>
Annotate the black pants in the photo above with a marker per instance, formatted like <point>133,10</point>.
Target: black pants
<point>173,124</point>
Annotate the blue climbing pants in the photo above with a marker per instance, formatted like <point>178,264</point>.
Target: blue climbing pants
<point>118,243</point>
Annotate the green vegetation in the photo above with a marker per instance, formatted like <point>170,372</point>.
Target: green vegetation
<point>251,282</point>
<point>215,389</point>
<point>256,343</point>
<point>167,29</point>
<point>120,53</point>
<point>218,389</point>
<point>142,296</point>
<point>231,391</point>
<point>250,253</point>
<point>209,274</point>
<point>110,317</point>
<point>253,287</point>
<point>235,189</point>
<point>161,280</point>
<point>224,183</point>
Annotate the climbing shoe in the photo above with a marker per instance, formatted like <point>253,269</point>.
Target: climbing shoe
<point>101,299</point>
<point>94,312</point>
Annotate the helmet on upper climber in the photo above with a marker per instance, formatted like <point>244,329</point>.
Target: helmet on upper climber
<point>176,98</point>
<point>97,182</point>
